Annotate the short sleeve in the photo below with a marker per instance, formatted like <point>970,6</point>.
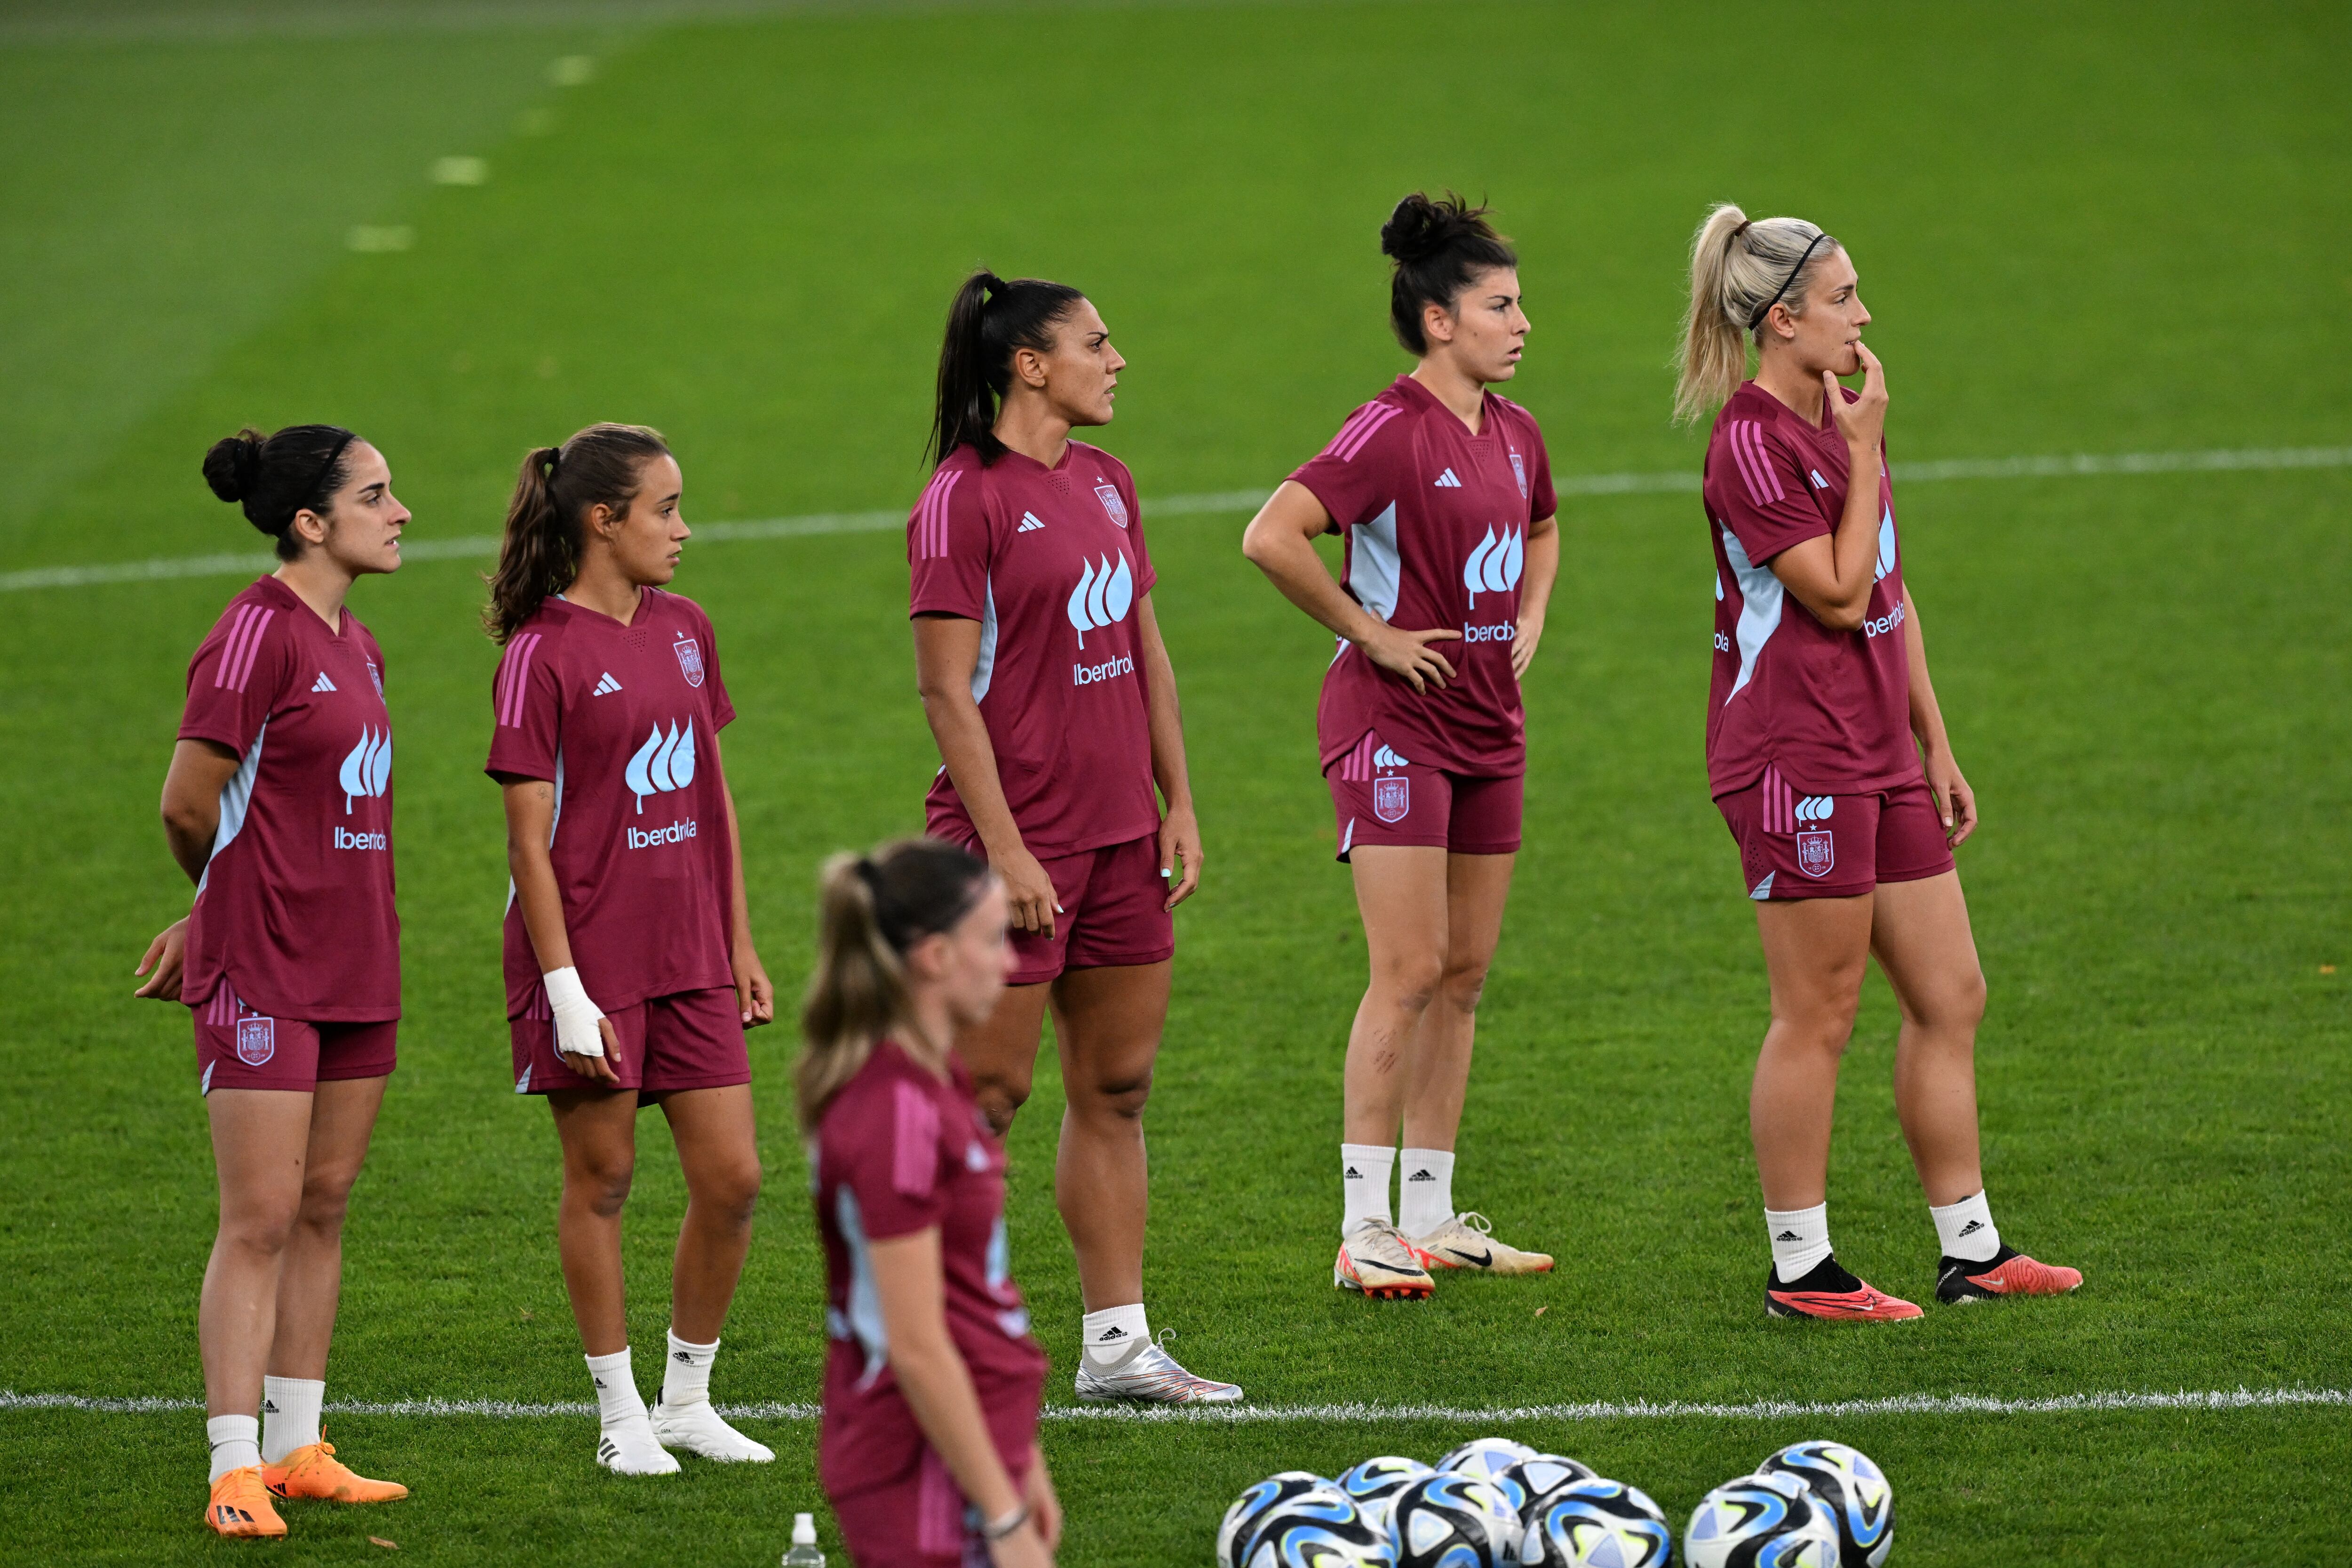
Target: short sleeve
<point>237,677</point>
<point>1543,502</point>
<point>722,708</point>
<point>1350,476</point>
<point>890,1159</point>
<point>950,547</point>
<point>1146,579</point>
<point>1765,500</point>
<point>528,707</point>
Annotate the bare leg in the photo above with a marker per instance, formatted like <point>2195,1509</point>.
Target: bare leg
<point>1816,951</point>
<point>311,1278</point>
<point>1107,1024</point>
<point>1920,932</point>
<point>721,1155</point>
<point>1001,1054</point>
<point>261,1140</point>
<point>1437,1069</point>
<point>1402,896</point>
<point>598,1128</point>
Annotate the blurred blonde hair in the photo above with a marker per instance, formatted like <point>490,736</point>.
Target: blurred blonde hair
<point>1735,265</point>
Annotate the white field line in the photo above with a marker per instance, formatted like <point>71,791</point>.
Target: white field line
<point>483,546</point>
<point>1350,1414</point>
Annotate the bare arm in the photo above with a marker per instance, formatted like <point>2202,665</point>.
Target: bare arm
<point>1280,543</point>
<point>1179,832</point>
<point>946,651</point>
<point>911,1285</point>
<point>1535,592</point>
<point>192,790</point>
<point>1956,803</point>
<point>530,823</point>
<point>1832,576</point>
<point>754,992</point>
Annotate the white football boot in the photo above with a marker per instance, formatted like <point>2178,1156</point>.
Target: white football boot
<point>628,1447</point>
<point>697,1429</point>
<point>1468,1241</point>
<point>1148,1374</point>
<point>1376,1259</point>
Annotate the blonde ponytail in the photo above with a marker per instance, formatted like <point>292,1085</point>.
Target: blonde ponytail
<point>1739,268</point>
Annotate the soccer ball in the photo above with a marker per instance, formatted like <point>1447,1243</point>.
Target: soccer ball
<point>1486,1457</point>
<point>1851,1489</point>
<point>1761,1521</point>
<point>1453,1520</point>
<point>1318,1528</point>
<point>1597,1524</point>
<point>1531,1482</point>
<point>1373,1485</point>
<point>1233,1535</point>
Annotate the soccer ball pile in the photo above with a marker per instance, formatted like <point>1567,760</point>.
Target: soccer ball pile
<point>1494,1503</point>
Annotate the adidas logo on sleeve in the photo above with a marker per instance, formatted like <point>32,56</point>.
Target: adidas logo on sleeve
<point>1447,481</point>
<point>1029,523</point>
<point>606,687</point>
<point>322,683</point>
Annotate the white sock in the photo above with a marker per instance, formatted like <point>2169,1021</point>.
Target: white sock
<point>1110,1334</point>
<point>1801,1239</point>
<point>618,1399</point>
<point>289,1416</point>
<point>1424,1190</point>
<point>1966,1229</point>
<point>1364,1183</point>
<point>236,1443</point>
<point>686,1376</point>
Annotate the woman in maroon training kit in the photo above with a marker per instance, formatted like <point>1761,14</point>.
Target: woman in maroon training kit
<point>278,808</point>
<point>630,972</point>
<point>1053,704</point>
<point>1819,717</point>
<point>930,1448</point>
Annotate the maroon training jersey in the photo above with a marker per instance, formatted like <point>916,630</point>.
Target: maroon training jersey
<point>1436,526</point>
<point>295,911</point>
<point>896,1152</point>
<point>1831,709</point>
<point>1050,562</point>
<point>625,721</point>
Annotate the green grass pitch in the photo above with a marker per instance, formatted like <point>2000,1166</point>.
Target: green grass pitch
<point>2086,228</point>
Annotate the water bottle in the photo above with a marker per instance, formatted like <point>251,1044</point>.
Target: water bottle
<point>803,1554</point>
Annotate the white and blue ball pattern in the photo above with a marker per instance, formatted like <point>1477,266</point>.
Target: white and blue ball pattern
<point>1318,1528</point>
<point>1598,1524</point>
<point>1454,1520</point>
<point>1233,1536</point>
<point>1532,1480</point>
<point>1373,1485</point>
<point>1761,1521</point>
<point>1486,1457</point>
<point>1851,1489</point>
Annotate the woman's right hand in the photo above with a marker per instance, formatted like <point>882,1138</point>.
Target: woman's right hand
<point>166,955</point>
<point>1408,653</point>
<point>1024,1548</point>
<point>1027,889</point>
<point>1863,422</point>
<point>598,1068</point>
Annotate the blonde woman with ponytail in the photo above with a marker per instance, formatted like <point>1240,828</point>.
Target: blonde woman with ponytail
<point>1828,756</point>
<point>928,1450</point>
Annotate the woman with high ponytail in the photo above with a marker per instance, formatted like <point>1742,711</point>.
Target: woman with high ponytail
<point>1443,491</point>
<point>1053,700</point>
<point>929,1449</point>
<point>278,808</point>
<point>1828,757</point>
<point>631,975</point>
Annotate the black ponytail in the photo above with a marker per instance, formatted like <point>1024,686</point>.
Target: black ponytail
<point>1440,247</point>
<point>540,556</point>
<point>297,470</point>
<point>990,318</point>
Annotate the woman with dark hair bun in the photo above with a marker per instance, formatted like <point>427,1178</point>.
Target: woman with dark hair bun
<point>1053,704</point>
<point>1442,492</point>
<point>278,808</point>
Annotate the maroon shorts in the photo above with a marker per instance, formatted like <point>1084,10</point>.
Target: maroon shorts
<point>1114,911</point>
<point>693,1039</point>
<point>917,1521</point>
<point>1797,845</point>
<point>237,1047</point>
<point>1406,804</point>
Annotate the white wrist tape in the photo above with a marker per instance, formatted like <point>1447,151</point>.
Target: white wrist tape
<point>576,1017</point>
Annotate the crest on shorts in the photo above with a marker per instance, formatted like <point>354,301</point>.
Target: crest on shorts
<point>256,1040</point>
<point>1391,798</point>
<point>1519,466</point>
<point>1112,504</point>
<point>1816,852</point>
<point>689,660</point>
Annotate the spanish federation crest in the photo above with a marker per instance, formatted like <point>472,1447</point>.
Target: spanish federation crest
<point>377,675</point>
<point>1519,466</point>
<point>689,660</point>
<point>256,1040</point>
<point>1816,853</point>
<point>1391,798</point>
<point>1112,504</point>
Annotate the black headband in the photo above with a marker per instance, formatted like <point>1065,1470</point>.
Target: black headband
<point>1765,309</point>
<point>327,469</point>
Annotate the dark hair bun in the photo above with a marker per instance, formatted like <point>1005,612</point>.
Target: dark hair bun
<point>231,465</point>
<point>1420,227</point>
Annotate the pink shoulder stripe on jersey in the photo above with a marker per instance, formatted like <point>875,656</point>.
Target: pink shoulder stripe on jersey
<point>915,1140</point>
<point>242,645</point>
<point>514,678</point>
<point>931,516</point>
<point>1358,430</point>
<point>1755,462</point>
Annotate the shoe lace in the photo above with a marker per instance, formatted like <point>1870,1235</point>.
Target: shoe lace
<point>1471,1219</point>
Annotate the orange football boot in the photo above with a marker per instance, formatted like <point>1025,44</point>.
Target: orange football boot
<point>2008,1272</point>
<point>1828,1292</point>
<point>315,1472</point>
<point>240,1506</point>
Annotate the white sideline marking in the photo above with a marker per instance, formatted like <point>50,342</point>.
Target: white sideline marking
<point>1348,1415</point>
<point>484,546</point>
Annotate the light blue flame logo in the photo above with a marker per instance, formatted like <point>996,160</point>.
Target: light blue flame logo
<point>665,762</point>
<point>367,771</point>
<point>1493,566</point>
<point>1102,597</point>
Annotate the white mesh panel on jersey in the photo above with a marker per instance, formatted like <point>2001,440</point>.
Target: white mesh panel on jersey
<point>1761,598</point>
<point>235,796</point>
<point>986,666</point>
<point>1374,570</point>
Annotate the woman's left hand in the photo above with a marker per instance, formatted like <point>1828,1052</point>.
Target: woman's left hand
<point>1524,638</point>
<point>1956,803</point>
<point>166,955</point>
<point>1180,854</point>
<point>1045,1508</point>
<point>754,992</point>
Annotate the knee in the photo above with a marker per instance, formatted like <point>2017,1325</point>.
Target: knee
<point>262,1224</point>
<point>326,1197</point>
<point>999,1097</point>
<point>1121,1097</point>
<point>1957,1003</point>
<point>601,1186</point>
<point>730,1193</point>
<point>1410,981</point>
<point>1462,986</point>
